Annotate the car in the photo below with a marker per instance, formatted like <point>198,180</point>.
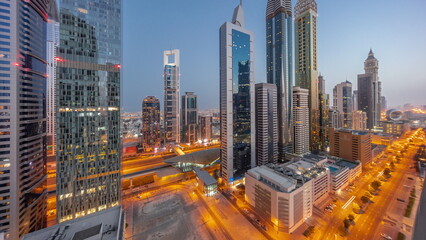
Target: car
<point>264,227</point>
<point>410,178</point>
<point>401,200</point>
<point>385,236</point>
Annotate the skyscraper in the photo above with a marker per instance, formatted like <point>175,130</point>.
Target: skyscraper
<point>335,118</point>
<point>306,63</point>
<point>359,120</point>
<point>23,116</point>
<point>355,100</point>
<point>236,97</point>
<point>324,110</point>
<point>88,108</point>
<point>383,103</point>
<point>369,91</point>
<point>151,129</point>
<point>301,120</point>
<point>189,118</point>
<point>342,101</point>
<point>52,44</point>
<point>279,64</point>
<point>205,127</point>
<point>172,95</point>
<point>266,123</point>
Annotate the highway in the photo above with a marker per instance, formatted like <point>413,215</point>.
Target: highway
<point>366,224</point>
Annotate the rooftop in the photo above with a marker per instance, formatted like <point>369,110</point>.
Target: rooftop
<point>205,176</point>
<point>204,157</point>
<point>105,225</point>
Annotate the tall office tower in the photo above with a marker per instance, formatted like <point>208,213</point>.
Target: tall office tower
<point>205,127</point>
<point>301,120</point>
<point>342,101</point>
<point>358,143</point>
<point>279,64</point>
<point>383,103</point>
<point>369,88</point>
<point>266,123</point>
<point>237,116</point>
<point>355,100</point>
<point>23,116</point>
<point>172,95</point>
<point>305,26</point>
<point>88,146</point>
<point>359,121</point>
<point>335,119</point>
<point>324,106</point>
<point>189,118</point>
<point>52,44</point>
<point>151,129</point>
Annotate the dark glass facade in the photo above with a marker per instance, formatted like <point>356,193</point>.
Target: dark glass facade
<point>88,107</point>
<point>241,101</point>
<point>279,63</point>
<point>151,129</point>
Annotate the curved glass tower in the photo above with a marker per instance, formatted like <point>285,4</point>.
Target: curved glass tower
<point>236,98</point>
<point>279,63</point>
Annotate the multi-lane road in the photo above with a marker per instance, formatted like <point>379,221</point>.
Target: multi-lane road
<point>367,225</point>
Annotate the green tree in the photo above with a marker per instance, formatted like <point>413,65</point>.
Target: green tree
<point>392,165</point>
<point>351,217</point>
<point>375,185</point>
<point>346,223</point>
<point>365,199</point>
<point>387,172</point>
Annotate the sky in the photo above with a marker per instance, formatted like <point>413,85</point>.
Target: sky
<point>394,29</point>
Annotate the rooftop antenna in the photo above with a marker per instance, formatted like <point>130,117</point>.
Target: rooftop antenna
<point>241,2</point>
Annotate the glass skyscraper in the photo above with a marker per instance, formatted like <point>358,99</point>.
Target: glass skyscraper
<point>279,63</point>
<point>23,75</point>
<point>189,118</point>
<point>88,107</point>
<point>369,91</point>
<point>305,28</point>
<point>236,97</point>
<point>171,96</point>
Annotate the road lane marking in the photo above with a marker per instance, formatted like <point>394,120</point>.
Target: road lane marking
<point>348,202</point>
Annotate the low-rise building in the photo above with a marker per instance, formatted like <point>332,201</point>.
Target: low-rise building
<point>280,195</point>
<point>351,145</point>
<point>395,128</point>
<point>106,225</point>
<point>205,182</point>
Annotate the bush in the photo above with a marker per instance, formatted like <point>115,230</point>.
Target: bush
<point>400,236</point>
<point>409,207</point>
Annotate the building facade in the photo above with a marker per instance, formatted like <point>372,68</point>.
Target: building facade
<point>335,118</point>
<point>88,108</point>
<point>324,106</point>
<point>359,121</point>
<point>189,118</point>
<point>205,127</point>
<point>266,123</point>
<point>236,97</point>
<point>342,101</point>
<point>369,91</point>
<point>151,129</point>
<point>301,120</point>
<point>23,62</point>
<point>358,142</point>
<point>171,96</point>
<point>355,100</point>
<point>279,64</point>
<point>305,27</point>
<point>52,44</point>
<point>279,195</point>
